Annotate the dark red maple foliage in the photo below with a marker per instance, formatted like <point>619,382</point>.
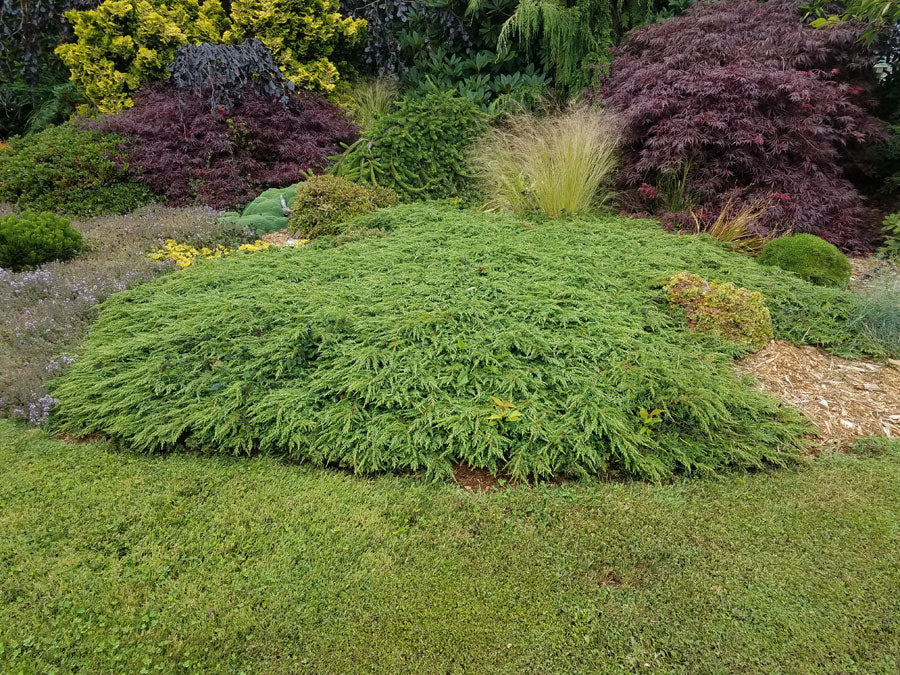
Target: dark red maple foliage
<point>191,153</point>
<point>755,104</point>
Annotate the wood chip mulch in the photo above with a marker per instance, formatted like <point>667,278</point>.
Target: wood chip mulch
<point>844,399</point>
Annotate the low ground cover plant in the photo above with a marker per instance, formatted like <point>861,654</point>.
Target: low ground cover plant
<point>33,238</point>
<point>556,578</point>
<point>69,170</point>
<point>421,150</point>
<point>323,204</point>
<point>190,152</point>
<point>809,257</point>
<point>47,310</point>
<point>559,165</point>
<point>389,353</point>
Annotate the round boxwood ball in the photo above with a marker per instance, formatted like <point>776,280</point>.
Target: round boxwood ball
<point>34,238</point>
<point>809,257</point>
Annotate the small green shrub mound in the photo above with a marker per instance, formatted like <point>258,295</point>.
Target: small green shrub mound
<point>35,238</point>
<point>723,309</point>
<point>809,257</point>
<point>67,170</point>
<point>324,203</point>
<point>421,150</point>
<point>461,337</point>
<point>265,213</point>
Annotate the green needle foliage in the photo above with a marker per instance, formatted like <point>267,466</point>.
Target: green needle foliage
<point>411,352</point>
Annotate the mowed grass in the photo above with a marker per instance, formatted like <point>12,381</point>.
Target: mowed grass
<point>118,562</point>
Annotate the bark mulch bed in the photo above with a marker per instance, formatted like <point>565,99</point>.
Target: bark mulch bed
<point>844,399</point>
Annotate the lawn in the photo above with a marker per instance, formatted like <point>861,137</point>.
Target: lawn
<point>118,562</point>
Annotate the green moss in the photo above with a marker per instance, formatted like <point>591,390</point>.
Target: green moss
<point>325,203</point>
<point>34,238</point>
<point>265,213</point>
<point>722,309</point>
<point>809,257</point>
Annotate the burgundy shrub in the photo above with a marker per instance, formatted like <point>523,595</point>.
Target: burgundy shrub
<point>755,104</point>
<point>191,152</point>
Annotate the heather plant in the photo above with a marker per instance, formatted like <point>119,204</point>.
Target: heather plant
<point>809,257</point>
<point>68,170</point>
<point>723,309</point>
<point>741,95</point>
<point>34,238</point>
<point>324,203</point>
<point>47,310</point>
<point>190,154</point>
<point>421,150</point>
<point>559,165</point>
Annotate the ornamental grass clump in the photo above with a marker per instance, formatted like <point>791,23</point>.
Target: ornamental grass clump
<point>391,353</point>
<point>559,165</point>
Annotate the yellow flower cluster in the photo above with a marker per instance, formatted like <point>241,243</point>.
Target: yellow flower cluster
<point>183,255</point>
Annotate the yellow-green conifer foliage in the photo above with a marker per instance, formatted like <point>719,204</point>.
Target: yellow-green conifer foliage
<point>301,34</point>
<point>123,44</point>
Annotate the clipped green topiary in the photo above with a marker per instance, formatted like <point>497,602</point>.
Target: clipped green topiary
<point>723,309</point>
<point>35,238</point>
<point>421,150</point>
<point>265,214</point>
<point>809,257</point>
<point>67,170</point>
<point>324,203</point>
